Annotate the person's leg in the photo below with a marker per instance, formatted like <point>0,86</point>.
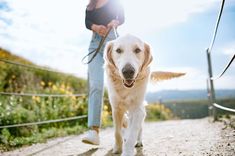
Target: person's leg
<point>96,83</point>
<point>95,93</point>
<point>96,90</point>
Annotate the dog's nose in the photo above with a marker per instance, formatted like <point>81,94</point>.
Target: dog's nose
<point>128,71</point>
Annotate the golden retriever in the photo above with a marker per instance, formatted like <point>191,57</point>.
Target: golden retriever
<point>127,61</point>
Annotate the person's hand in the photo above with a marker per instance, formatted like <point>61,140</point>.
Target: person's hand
<point>100,29</point>
<point>113,23</point>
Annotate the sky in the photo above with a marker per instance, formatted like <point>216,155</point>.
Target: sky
<point>52,33</point>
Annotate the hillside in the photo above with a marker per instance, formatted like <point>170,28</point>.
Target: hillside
<point>14,78</point>
<point>27,109</point>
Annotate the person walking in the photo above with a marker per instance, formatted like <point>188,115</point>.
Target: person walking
<point>101,15</point>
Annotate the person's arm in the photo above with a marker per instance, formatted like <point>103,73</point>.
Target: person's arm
<point>88,21</point>
<point>100,29</point>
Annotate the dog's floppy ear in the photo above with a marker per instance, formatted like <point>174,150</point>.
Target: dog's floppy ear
<point>148,56</point>
<point>108,53</point>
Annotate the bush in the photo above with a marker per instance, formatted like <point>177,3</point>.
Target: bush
<point>19,109</point>
<point>156,112</point>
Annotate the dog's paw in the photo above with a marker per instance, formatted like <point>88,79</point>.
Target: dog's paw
<point>139,144</point>
<point>127,153</point>
<point>117,150</point>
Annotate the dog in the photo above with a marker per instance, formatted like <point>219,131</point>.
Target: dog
<point>127,67</point>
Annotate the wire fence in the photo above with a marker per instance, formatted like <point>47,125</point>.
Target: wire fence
<point>216,26</point>
<point>33,67</point>
<point>225,69</point>
<point>43,95</point>
<point>39,95</point>
<point>224,108</point>
<point>44,122</point>
<point>210,82</point>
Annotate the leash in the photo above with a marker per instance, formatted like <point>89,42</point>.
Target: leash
<point>96,51</point>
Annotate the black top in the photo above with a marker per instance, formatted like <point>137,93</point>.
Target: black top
<point>103,15</point>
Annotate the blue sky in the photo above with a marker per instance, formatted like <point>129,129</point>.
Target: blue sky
<point>52,33</point>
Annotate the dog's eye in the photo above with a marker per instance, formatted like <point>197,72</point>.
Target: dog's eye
<point>137,50</point>
<point>119,50</point>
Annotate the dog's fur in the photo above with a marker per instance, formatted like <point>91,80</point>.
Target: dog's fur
<point>127,50</point>
<point>127,61</point>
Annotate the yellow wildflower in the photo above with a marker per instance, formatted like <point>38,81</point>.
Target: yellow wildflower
<point>13,77</point>
<point>42,83</point>
<point>49,83</point>
<point>54,87</point>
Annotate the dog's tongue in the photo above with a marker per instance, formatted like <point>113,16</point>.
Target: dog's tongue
<point>128,83</point>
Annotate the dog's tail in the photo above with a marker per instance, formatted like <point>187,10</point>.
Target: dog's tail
<point>162,75</point>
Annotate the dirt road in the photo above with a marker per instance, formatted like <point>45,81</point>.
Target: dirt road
<point>169,138</point>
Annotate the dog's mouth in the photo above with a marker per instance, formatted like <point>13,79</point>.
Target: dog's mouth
<point>128,83</point>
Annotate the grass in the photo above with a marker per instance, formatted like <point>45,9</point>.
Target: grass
<point>11,143</point>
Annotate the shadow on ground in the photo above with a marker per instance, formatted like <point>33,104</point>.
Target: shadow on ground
<point>90,152</point>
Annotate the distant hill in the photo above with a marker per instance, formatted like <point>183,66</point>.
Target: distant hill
<point>167,95</point>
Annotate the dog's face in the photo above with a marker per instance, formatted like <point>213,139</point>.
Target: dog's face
<point>129,55</point>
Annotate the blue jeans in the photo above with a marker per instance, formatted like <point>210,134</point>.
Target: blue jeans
<point>96,80</point>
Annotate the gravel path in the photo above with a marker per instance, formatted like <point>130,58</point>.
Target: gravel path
<point>168,138</point>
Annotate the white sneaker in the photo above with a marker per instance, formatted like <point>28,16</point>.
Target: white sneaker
<point>92,137</point>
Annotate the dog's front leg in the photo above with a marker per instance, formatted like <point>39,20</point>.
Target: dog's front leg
<point>137,117</point>
<point>139,139</point>
<point>118,122</point>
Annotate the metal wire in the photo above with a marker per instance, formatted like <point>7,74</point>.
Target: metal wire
<point>225,69</point>
<point>216,26</point>
<point>33,67</point>
<point>44,122</point>
<point>41,95</point>
<point>211,78</point>
<point>32,94</point>
<point>224,108</point>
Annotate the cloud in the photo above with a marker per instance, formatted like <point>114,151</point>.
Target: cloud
<point>46,32</point>
<point>227,81</point>
<point>148,16</point>
<point>229,49</point>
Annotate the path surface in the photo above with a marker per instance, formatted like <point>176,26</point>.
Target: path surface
<point>168,138</point>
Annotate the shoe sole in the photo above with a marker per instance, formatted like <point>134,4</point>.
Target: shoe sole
<point>89,142</point>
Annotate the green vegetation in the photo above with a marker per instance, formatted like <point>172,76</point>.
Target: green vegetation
<point>18,109</point>
<point>156,112</point>
<point>190,109</point>
<point>10,141</point>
